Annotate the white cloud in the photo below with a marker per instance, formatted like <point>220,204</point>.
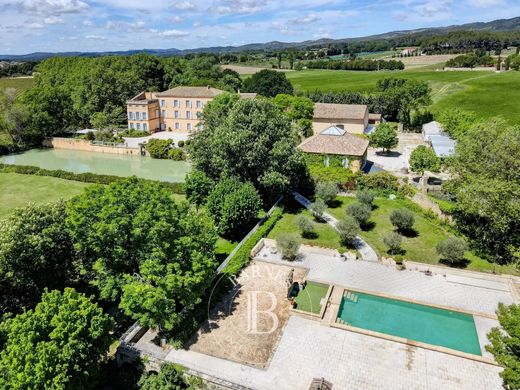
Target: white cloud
<point>174,33</point>
<point>53,20</point>
<point>485,3</point>
<point>239,7</point>
<point>184,6</point>
<point>176,19</point>
<point>48,7</point>
<point>95,37</point>
<point>88,23</point>
<point>311,18</point>
<point>434,9</point>
<point>34,25</point>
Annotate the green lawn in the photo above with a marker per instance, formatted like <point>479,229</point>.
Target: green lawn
<point>309,298</point>
<point>420,248</point>
<point>325,236</point>
<point>486,93</point>
<point>18,190</point>
<point>19,83</point>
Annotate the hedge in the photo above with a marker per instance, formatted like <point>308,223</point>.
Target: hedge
<point>243,254</point>
<point>87,177</point>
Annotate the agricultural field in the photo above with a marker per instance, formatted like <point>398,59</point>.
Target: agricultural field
<point>486,93</point>
<point>19,83</point>
<point>19,190</point>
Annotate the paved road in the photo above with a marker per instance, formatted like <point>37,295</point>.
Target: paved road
<point>366,251</point>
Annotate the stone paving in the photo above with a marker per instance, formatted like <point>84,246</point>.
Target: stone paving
<point>309,348</point>
<point>348,360</point>
<point>377,277</point>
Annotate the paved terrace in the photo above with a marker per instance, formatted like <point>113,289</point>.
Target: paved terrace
<point>349,360</point>
<point>309,348</point>
<point>466,293</point>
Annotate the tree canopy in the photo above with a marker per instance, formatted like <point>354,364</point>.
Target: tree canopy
<point>58,345</point>
<point>135,242</point>
<point>424,159</point>
<point>254,142</point>
<point>505,342</point>
<point>486,184</point>
<point>384,136</point>
<point>268,83</point>
<point>36,252</point>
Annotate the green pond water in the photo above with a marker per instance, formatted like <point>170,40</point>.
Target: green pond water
<point>102,163</point>
<point>411,321</point>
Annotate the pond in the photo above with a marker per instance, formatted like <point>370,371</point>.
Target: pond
<point>101,163</point>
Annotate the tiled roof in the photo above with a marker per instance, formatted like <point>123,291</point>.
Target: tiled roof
<point>374,116</point>
<point>190,92</point>
<point>343,145</point>
<point>339,111</point>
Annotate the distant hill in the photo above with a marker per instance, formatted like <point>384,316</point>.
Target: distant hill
<point>500,25</point>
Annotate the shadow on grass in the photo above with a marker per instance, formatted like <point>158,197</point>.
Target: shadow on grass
<point>310,235</point>
<point>460,263</point>
<point>334,204</point>
<point>409,233</point>
<point>368,226</point>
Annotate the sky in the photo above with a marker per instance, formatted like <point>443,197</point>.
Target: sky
<point>28,26</point>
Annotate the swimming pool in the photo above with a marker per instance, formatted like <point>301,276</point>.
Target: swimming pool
<point>409,320</point>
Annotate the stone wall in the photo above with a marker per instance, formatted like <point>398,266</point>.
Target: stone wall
<point>87,146</point>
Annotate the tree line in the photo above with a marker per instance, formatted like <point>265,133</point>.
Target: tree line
<point>356,64</point>
<point>18,69</point>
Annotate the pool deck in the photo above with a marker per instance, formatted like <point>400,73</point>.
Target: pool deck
<point>313,347</point>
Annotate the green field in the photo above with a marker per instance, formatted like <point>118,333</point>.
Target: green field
<point>18,190</point>
<point>486,93</point>
<point>19,83</point>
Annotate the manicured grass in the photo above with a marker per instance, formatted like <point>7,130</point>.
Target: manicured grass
<point>19,83</point>
<point>224,248</point>
<point>419,248</point>
<point>325,235</point>
<point>19,190</point>
<point>486,93</point>
<point>309,298</point>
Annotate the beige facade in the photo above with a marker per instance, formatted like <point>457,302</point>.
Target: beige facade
<point>354,126</point>
<point>177,109</point>
<point>353,118</point>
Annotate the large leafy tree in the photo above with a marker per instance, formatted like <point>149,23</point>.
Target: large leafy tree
<point>36,252</point>
<point>385,137</point>
<point>505,344</point>
<point>254,142</point>
<point>486,184</point>
<point>299,109</point>
<point>58,345</point>
<point>234,206</point>
<point>137,244</point>
<point>423,159</point>
<point>456,121</point>
<point>13,115</point>
<point>268,83</point>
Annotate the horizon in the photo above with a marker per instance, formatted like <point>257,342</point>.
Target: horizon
<point>118,25</point>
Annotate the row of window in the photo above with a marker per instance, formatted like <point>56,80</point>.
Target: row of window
<point>138,126</point>
<point>187,103</point>
<point>177,114</point>
<point>138,116</point>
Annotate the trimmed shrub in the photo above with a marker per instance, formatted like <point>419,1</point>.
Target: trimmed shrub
<point>402,219</point>
<point>366,197</point>
<point>327,191</point>
<point>383,183</point>
<point>180,144</point>
<point>348,229</point>
<point>393,241</point>
<point>360,211</point>
<point>305,225</point>
<point>288,245</point>
<point>159,148</point>
<point>176,154</point>
<point>243,254</point>
<point>452,250</point>
<point>317,209</point>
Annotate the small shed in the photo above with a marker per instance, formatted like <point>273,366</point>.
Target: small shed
<point>441,143</point>
<point>431,128</point>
